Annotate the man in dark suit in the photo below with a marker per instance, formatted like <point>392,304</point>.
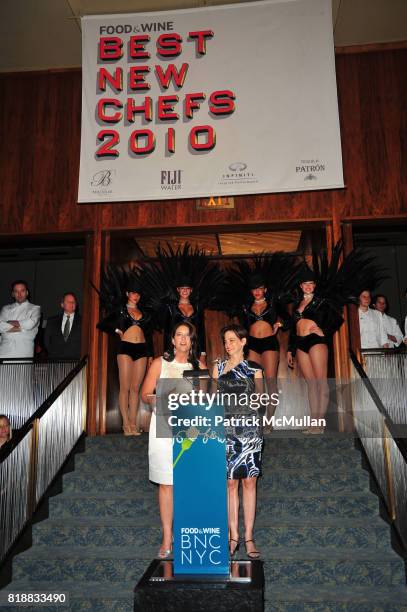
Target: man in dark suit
<point>62,337</point>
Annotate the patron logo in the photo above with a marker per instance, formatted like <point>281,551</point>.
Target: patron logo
<point>310,168</point>
<point>102,180</point>
<point>237,172</point>
<point>171,180</point>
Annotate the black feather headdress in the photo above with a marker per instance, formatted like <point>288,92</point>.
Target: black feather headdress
<point>341,283</point>
<point>277,272</point>
<point>114,283</point>
<point>184,266</point>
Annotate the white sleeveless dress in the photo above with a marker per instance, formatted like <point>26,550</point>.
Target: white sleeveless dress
<point>160,449</point>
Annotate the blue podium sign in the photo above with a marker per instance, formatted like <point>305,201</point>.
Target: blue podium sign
<point>200,491</point>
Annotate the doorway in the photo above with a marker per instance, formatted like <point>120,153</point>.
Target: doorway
<point>51,267</point>
<point>224,246</point>
<point>389,244</point>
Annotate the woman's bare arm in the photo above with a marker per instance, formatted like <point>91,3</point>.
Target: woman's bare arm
<point>150,381</point>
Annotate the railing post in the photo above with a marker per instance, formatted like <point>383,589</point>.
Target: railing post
<point>84,397</point>
<point>388,472</point>
<point>340,344</point>
<point>32,477</point>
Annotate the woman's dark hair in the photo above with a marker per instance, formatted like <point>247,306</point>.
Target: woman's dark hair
<point>240,331</point>
<point>380,295</point>
<point>169,355</point>
<point>366,289</point>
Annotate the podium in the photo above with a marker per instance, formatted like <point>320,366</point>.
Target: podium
<point>200,577</point>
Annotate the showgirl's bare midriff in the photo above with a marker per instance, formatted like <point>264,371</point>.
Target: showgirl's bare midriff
<point>134,334</point>
<point>260,329</point>
<point>305,327</point>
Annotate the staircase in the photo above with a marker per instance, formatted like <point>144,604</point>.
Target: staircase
<point>324,545</point>
<point>318,527</point>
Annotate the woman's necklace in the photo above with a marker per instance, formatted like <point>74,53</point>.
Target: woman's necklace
<point>260,301</point>
<point>134,311</point>
<point>184,302</point>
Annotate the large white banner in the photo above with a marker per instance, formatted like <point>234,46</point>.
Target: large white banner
<point>215,101</point>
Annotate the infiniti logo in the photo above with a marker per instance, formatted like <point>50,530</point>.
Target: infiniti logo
<point>238,167</point>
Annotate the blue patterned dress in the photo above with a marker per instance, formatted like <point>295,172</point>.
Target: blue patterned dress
<point>243,444</point>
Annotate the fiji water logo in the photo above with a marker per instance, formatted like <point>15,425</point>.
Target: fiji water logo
<point>171,180</point>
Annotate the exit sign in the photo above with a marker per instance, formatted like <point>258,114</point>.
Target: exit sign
<point>215,203</point>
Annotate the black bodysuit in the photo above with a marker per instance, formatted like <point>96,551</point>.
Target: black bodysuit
<point>324,314</point>
<point>270,315</point>
<point>123,321</point>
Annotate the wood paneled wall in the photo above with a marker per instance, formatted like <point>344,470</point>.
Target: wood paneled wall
<point>39,169</point>
<point>40,142</point>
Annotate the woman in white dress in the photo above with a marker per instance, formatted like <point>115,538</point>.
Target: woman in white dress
<point>182,357</point>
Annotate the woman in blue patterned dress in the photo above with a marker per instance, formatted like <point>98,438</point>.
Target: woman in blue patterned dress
<point>243,443</point>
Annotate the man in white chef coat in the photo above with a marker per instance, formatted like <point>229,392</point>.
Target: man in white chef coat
<point>19,323</point>
<point>391,327</point>
<point>372,334</point>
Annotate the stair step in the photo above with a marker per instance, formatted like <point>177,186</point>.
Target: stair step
<point>316,505</point>
<point>323,537</point>
<point>75,482</point>
<point>271,481</point>
<point>282,565</point>
<point>316,460</point>
<point>123,461</point>
<point>333,572</point>
<point>126,504</point>
<point>303,597</point>
<point>290,504</point>
<point>96,533</point>
<point>289,441</point>
<point>318,481</point>
<point>101,532</point>
<point>96,565</point>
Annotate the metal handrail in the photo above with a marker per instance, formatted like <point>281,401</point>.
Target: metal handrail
<point>386,452</point>
<point>385,351</point>
<point>19,434</point>
<point>30,461</point>
<point>8,360</point>
<point>391,426</point>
